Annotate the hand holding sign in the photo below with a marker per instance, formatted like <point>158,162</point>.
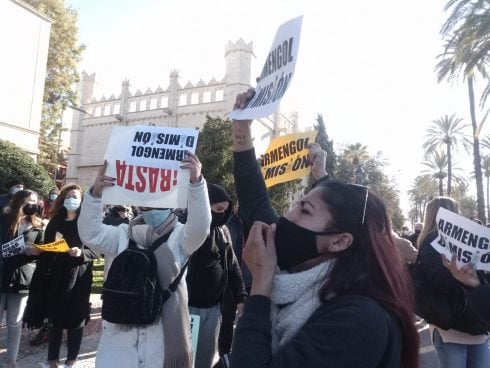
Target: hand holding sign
<point>318,160</point>
<point>101,181</point>
<point>192,163</point>
<point>466,274</point>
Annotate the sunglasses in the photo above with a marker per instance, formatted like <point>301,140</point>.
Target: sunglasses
<point>354,186</point>
<point>366,190</point>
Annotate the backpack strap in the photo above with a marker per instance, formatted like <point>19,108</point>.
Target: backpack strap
<point>173,286</point>
<point>156,244</point>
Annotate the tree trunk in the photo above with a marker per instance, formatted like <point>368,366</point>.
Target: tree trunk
<point>476,154</point>
<point>441,187</point>
<point>488,201</point>
<point>449,170</point>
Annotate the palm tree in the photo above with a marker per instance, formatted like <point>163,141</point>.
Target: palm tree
<point>448,131</point>
<point>437,164</point>
<point>465,53</point>
<point>357,154</point>
<point>423,189</point>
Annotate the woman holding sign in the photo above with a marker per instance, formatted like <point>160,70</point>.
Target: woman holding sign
<point>20,228</point>
<point>460,326</point>
<point>62,282</point>
<point>322,294</point>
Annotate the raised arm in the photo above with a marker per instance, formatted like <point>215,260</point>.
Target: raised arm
<point>252,193</point>
<point>196,229</point>
<point>92,232</point>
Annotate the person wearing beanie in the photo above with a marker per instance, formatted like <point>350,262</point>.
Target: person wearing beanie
<point>213,270</point>
<point>12,185</point>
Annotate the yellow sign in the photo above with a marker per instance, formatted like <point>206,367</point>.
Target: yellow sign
<point>57,246</point>
<point>287,158</point>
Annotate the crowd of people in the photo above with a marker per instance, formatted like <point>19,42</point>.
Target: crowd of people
<point>326,284</point>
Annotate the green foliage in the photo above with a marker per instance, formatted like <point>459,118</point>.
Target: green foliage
<point>61,74</point>
<point>215,151</point>
<point>468,207</point>
<point>374,178</point>
<point>327,145</point>
<point>14,162</point>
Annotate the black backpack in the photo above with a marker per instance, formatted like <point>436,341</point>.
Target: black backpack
<point>131,293</point>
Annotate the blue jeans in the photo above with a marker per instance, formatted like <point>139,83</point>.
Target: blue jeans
<point>207,343</point>
<point>453,355</point>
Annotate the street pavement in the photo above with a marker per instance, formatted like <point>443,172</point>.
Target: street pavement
<point>31,356</point>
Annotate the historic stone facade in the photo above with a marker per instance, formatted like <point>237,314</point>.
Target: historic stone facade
<point>176,106</point>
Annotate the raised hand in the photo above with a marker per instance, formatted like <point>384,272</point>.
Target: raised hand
<point>192,163</point>
<point>466,274</point>
<point>318,159</point>
<point>101,181</point>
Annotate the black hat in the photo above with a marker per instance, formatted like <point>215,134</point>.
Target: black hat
<point>13,182</point>
<point>217,194</point>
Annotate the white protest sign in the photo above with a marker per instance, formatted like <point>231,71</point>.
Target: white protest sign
<point>466,239</point>
<point>195,320</point>
<point>146,160</point>
<point>13,247</point>
<point>276,74</point>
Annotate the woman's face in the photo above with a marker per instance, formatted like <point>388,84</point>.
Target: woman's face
<point>311,212</point>
<point>74,193</point>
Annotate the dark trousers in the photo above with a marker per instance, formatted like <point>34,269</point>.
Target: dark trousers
<point>228,312</point>
<point>74,341</point>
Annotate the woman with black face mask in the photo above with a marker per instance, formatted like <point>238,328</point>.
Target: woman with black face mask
<point>18,266</point>
<point>329,288</point>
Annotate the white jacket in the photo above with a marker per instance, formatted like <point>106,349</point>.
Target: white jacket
<point>141,347</point>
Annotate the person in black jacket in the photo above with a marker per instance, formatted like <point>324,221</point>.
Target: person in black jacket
<point>17,270</point>
<point>61,285</point>
<point>463,341</point>
<point>213,270</point>
<point>329,288</point>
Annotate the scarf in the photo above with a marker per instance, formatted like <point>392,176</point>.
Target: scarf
<point>175,314</point>
<point>294,299</point>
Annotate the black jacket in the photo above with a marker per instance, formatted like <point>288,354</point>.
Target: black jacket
<point>17,270</point>
<point>350,331</point>
<point>214,268</point>
<point>473,305</point>
<point>61,285</point>
<point>347,331</point>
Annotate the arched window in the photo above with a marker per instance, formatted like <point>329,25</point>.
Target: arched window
<point>206,97</point>
<point>219,95</point>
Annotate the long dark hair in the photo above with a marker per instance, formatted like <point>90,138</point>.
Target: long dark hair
<point>58,210</point>
<point>14,215</point>
<point>371,266</point>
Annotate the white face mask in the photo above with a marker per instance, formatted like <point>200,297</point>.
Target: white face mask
<point>52,197</point>
<point>72,204</point>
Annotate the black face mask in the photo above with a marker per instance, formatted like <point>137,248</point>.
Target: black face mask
<point>295,244</point>
<point>30,209</point>
<point>217,218</point>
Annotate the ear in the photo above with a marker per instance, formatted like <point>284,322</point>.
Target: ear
<point>340,242</point>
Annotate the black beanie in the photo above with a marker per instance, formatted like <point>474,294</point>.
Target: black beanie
<point>217,194</point>
<point>12,182</point>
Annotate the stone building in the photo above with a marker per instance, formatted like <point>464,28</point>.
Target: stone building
<point>24,38</point>
<point>175,106</point>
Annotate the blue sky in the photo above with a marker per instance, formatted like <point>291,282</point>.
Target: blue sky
<point>368,67</point>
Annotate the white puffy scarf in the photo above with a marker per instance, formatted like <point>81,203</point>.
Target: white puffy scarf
<point>294,299</point>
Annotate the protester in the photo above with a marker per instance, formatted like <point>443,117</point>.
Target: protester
<point>13,186</point>
<point>416,233</point>
<point>167,342</point>
<point>61,285</point>
<point>456,347</point>
<point>341,297</point>
<point>407,251</point>
<point>118,215</point>
<point>17,270</point>
<point>213,271</point>
<point>48,203</point>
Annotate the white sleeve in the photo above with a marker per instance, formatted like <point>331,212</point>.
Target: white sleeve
<point>98,236</point>
<point>196,229</point>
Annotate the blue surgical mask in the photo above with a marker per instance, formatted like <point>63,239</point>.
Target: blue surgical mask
<point>72,204</point>
<point>156,217</point>
<point>52,197</point>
